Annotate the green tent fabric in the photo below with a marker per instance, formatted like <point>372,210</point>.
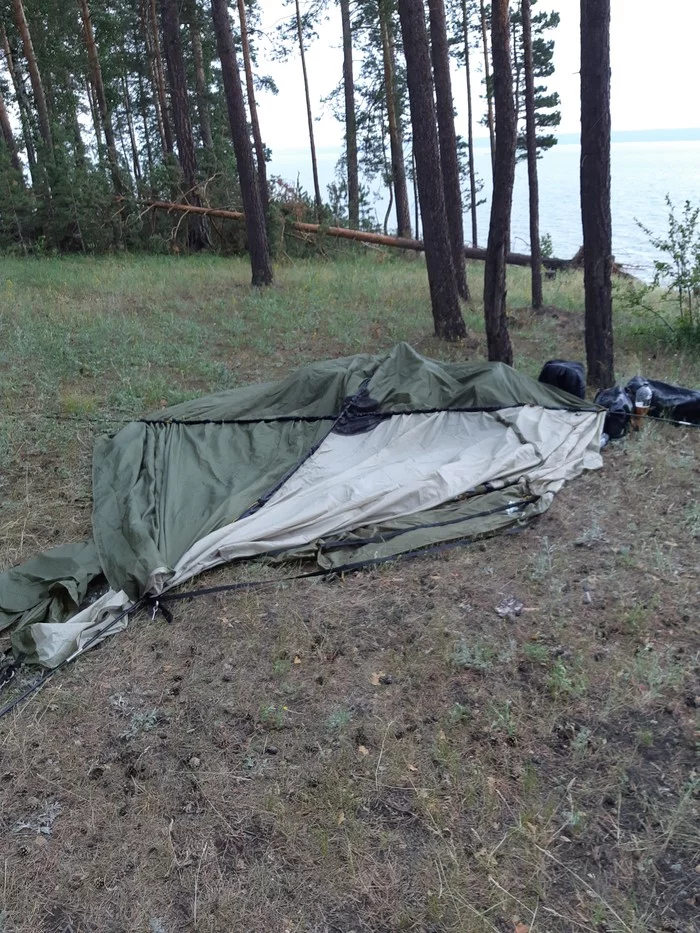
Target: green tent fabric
<point>347,460</point>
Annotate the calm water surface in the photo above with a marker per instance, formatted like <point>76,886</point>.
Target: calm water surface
<point>642,174</point>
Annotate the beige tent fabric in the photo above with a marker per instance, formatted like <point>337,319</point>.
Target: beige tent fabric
<point>406,464</point>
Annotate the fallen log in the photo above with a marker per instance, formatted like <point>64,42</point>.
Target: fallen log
<point>360,236</point>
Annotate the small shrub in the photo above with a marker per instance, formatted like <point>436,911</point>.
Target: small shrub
<point>338,719</point>
<point>476,657</point>
<point>273,716</point>
<point>459,714</point>
<point>535,652</point>
<point>672,299</point>
<point>563,680</point>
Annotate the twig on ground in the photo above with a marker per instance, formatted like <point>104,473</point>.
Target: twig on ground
<point>381,752</point>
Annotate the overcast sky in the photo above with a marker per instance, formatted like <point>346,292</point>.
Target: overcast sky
<point>655,81</point>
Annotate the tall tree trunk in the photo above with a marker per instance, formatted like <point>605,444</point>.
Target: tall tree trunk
<point>145,18</point>
<point>160,80</point>
<point>197,229</point>
<point>497,336</point>
<point>23,104</point>
<point>470,124</point>
<point>595,189</point>
<point>258,247</point>
<point>132,133</point>
<point>447,315</point>
<point>8,136</point>
<point>78,143</point>
<point>35,78</point>
<point>99,90</point>
<point>415,191</point>
<point>398,167</point>
<point>253,107</point>
<point>143,111</point>
<point>309,117</point>
<point>350,119</point>
<point>448,140</point>
<point>516,70</point>
<point>489,85</point>
<point>199,75</point>
<point>531,133</point>
<point>96,121</point>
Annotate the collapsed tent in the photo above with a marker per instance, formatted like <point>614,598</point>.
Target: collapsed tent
<point>346,461</point>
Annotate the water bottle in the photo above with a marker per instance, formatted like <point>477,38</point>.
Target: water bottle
<point>642,404</point>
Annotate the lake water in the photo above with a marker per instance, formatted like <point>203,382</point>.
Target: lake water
<point>642,174</point>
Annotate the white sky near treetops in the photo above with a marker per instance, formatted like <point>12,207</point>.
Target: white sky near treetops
<point>655,83</point>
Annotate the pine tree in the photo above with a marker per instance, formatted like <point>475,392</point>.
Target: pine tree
<point>350,119</point>
<point>448,140</point>
<point>444,295</point>
<point>38,91</point>
<point>252,106</point>
<point>258,247</point>
<point>497,336</point>
<point>301,26</point>
<point>531,134</point>
<point>546,102</point>
<point>99,92</point>
<point>595,189</point>
<point>197,234</point>
<point>8,136</point>
<point>463,12</point>
<point>193,21</point>
<point>484,19</point>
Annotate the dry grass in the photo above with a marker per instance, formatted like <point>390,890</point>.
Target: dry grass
<point>381,752</point>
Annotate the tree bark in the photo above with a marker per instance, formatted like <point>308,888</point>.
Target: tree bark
<point>489,86</point>
<point>516,70</point>
<point>312,142</point>
<point>99,90</point>
<point>470,125</point>
<point>96,121</point>
<point>160,81</point>
<point>8,136</point>
<point>253,108</point>
<point>22,103</point>
<point>258,247</point>
<point>143,109</point>
<point>415,192</point>
<point>497,336</point>
<point>448,140</point>
<point>444,295</point>
<point>78,143</point>
<point>198,231</point>
<point>350,118</point>
<point>595,189</point>
<point>132,133</point>
<point>145,18</point>
<point>200,78</point>
<point>398,167</point>
<point>35,78</point>
<point>531,134</point>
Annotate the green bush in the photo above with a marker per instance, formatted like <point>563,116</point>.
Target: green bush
<point>672,300</point>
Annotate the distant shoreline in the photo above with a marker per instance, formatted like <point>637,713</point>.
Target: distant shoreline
<point>563,139</point>
<point>626,136</point>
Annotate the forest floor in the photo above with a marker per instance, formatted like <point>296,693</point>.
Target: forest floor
<point>382,752</point>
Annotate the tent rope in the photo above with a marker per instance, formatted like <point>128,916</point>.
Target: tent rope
<point>37,684</point>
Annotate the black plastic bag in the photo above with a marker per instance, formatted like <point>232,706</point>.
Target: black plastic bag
<point>669,401</point>
<point>566,375</point>
<point>620,408</point>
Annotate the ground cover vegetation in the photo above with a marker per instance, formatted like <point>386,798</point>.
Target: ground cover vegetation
<point>379,752</point>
